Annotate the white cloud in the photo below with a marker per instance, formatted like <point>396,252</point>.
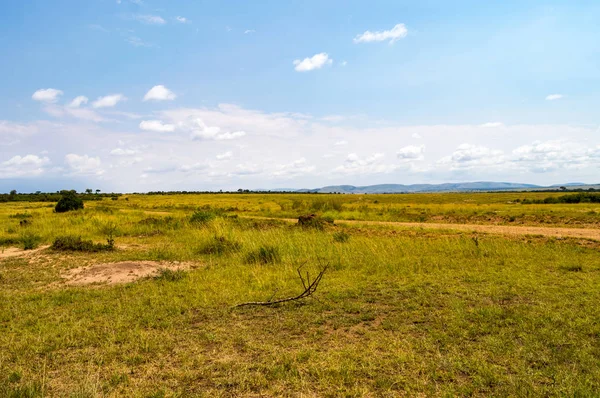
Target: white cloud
<point>182,19</point>
<point>157,126</point>
<point>294,169</point>
<point>201,131</point>
<point>108,101</point>
<point>78,101</point>
<point>124,152</point>
<point>344,63</point>
<point>150,19</point>
<point>83,164</point>
<point>68,111</point>
<point>546,156</point>
<point>317,61</point>
<point>355,165</point>
<point>416,136</point>
<point>553,97</point>
<point>49,95</point>
<point>396,33</point>
<point>246,169</point>
<point>468,156</point>
<point>411,152</point>
<point>159,93</point>
<point>22,166</point>
<point>340,143</point>
<point>224,156</point>
<point>491,125</point>
<point>247,31</point>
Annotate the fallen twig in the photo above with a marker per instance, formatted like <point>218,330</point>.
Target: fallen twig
<point>309,289</point>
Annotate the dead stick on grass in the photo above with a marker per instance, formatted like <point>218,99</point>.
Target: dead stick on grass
<point>309,289</point>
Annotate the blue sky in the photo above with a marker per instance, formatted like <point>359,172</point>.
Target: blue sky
<point>229,94</point>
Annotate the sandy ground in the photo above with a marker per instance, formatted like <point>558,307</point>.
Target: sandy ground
<point>17,252</point>
<point>120,272</point>
<point>586,233</point>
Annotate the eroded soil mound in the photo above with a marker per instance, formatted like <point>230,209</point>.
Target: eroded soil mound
<point>120,272</point>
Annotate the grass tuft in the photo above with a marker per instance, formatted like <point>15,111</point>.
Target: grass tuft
<point>219,245</point>
<point>264,255</point>
<point>170,275</point>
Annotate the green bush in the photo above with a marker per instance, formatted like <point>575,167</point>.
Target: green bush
<point>76,244</point>
<point>30,241</point>
<point>219,245</point>
<point>68,202</point>
<point>341,237</point>
<point>264,255</point>
<point>202,217</point>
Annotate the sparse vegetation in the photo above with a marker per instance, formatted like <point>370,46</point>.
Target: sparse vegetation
<point>402,310</point>
<point>76,244</point>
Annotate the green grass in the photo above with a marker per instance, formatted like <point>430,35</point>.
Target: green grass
<point>399,311</point>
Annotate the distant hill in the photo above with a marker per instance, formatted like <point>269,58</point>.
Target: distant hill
<point>447,187</point>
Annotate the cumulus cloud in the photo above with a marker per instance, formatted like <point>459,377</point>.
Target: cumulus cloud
<point>546,156</point>
<point>22,166</point>
<point>468,156</point>
<point>49,95</point>
<point>159,93</point>
<point>201,131</point>
<point>411,152</point>
<point>108,101</point>
<point>396,33</point>
<point>247,31</point>
<point>156,126</point>
<point>182,19</point>
<point>78,101</point>
<point>83,164</point>
<point>317,61</point>
<point>553,97</point>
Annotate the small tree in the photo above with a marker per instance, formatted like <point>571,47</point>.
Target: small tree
<point>69,201</point>
<point>88,191</point>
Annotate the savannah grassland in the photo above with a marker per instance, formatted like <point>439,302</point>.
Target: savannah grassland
<point>401,310</point>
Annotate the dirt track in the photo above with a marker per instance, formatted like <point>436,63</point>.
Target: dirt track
<point>586,233</point>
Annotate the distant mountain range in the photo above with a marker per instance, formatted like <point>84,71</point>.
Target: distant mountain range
<point>447,187</point>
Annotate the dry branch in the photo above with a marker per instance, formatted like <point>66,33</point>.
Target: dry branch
<point>309,288</point>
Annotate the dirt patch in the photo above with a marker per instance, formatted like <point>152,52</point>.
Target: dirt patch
<point>120,272</point>
<point>16,252</point>
<point>558,232</point>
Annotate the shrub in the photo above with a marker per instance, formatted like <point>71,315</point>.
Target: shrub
<point>220,245</point>
<point>313,221</point>
<point>264,255</point>
<point>30,241</point>
<point>69,201</point>
<point>202,217</point>
<point>341,237</point>
<point>76,244</point>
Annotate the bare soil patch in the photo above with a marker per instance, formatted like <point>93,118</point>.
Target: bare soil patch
<point>119,272</point>
<point>16,252</point>
<point>585,233</point>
